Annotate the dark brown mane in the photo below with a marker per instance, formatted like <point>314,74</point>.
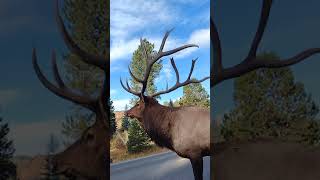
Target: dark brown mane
<point>159,129</point>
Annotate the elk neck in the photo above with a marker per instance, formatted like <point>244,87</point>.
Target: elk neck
<point>158,122</point>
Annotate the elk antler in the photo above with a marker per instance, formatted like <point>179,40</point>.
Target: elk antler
<point>92,103</point>
<point>151,59</point>
<point>178,84</point>
<point>250,63</point>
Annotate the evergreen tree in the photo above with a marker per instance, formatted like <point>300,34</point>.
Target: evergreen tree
<point>125,120</point>
<point>269,103</point>
<point>7,167</point>
<point>138,66</point>
<point>138,141</point>
<point>195,95</point>
<point>50,171</point>
<point>113,125</point>
<point>87,22</point>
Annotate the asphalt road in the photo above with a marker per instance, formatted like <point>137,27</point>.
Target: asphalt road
<point>164,166</point>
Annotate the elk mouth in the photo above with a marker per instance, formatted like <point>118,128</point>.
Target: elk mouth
<point>128,115</point>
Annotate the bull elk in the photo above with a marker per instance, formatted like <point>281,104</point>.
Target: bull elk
<point>259,160</point>
<point>88,157</point>
<point>184,130</point>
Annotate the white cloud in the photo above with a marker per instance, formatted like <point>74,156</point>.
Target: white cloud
<point>32,138</point>
<point>128,17</point>
<point>119,105</point>
<point>123,49</point>
<point>200,37</point>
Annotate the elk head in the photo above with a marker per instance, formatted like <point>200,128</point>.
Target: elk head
<point>88,157</point>
<point>146,101</point>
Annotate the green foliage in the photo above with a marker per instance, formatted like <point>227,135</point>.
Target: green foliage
<point>7,167</point>
<point>112,121</point>
<point>137,138</point>
<point>75,124</point>
<point>195,95</point>
<point>125,120</point>
<point>88,22</point>
<point>269,103</point>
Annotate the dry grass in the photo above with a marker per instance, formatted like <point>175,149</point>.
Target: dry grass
<point>118,150</point>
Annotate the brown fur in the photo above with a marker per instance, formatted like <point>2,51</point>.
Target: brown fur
<point>265,159</point>
<point>184,130</point>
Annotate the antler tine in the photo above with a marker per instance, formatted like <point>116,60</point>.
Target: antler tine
<point>134,77</point>
<point>62,92</point>
<point>98,61</point>
<point>167,53</point>
<point>192,67</point>
<point>128,89</point>
<point>56,71</point>
<point>217,52</point>
<point>178,84</point>
<point>164,40</point>
<point>266,7</point>
<point>175,70</point>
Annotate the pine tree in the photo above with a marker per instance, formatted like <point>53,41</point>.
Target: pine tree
<point>113,125</point>
<point>50,171</point>
<point>195,95</point>
<point>138,141</point>
<point>269,103</point>
<point>125,120</point>
<point>7,167</point>
<point>88,25</point>
<point>138,65</point>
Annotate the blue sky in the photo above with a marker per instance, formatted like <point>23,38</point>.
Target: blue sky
<point>293,26</point>
<point>131,20</point>
<point>31,110</point>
